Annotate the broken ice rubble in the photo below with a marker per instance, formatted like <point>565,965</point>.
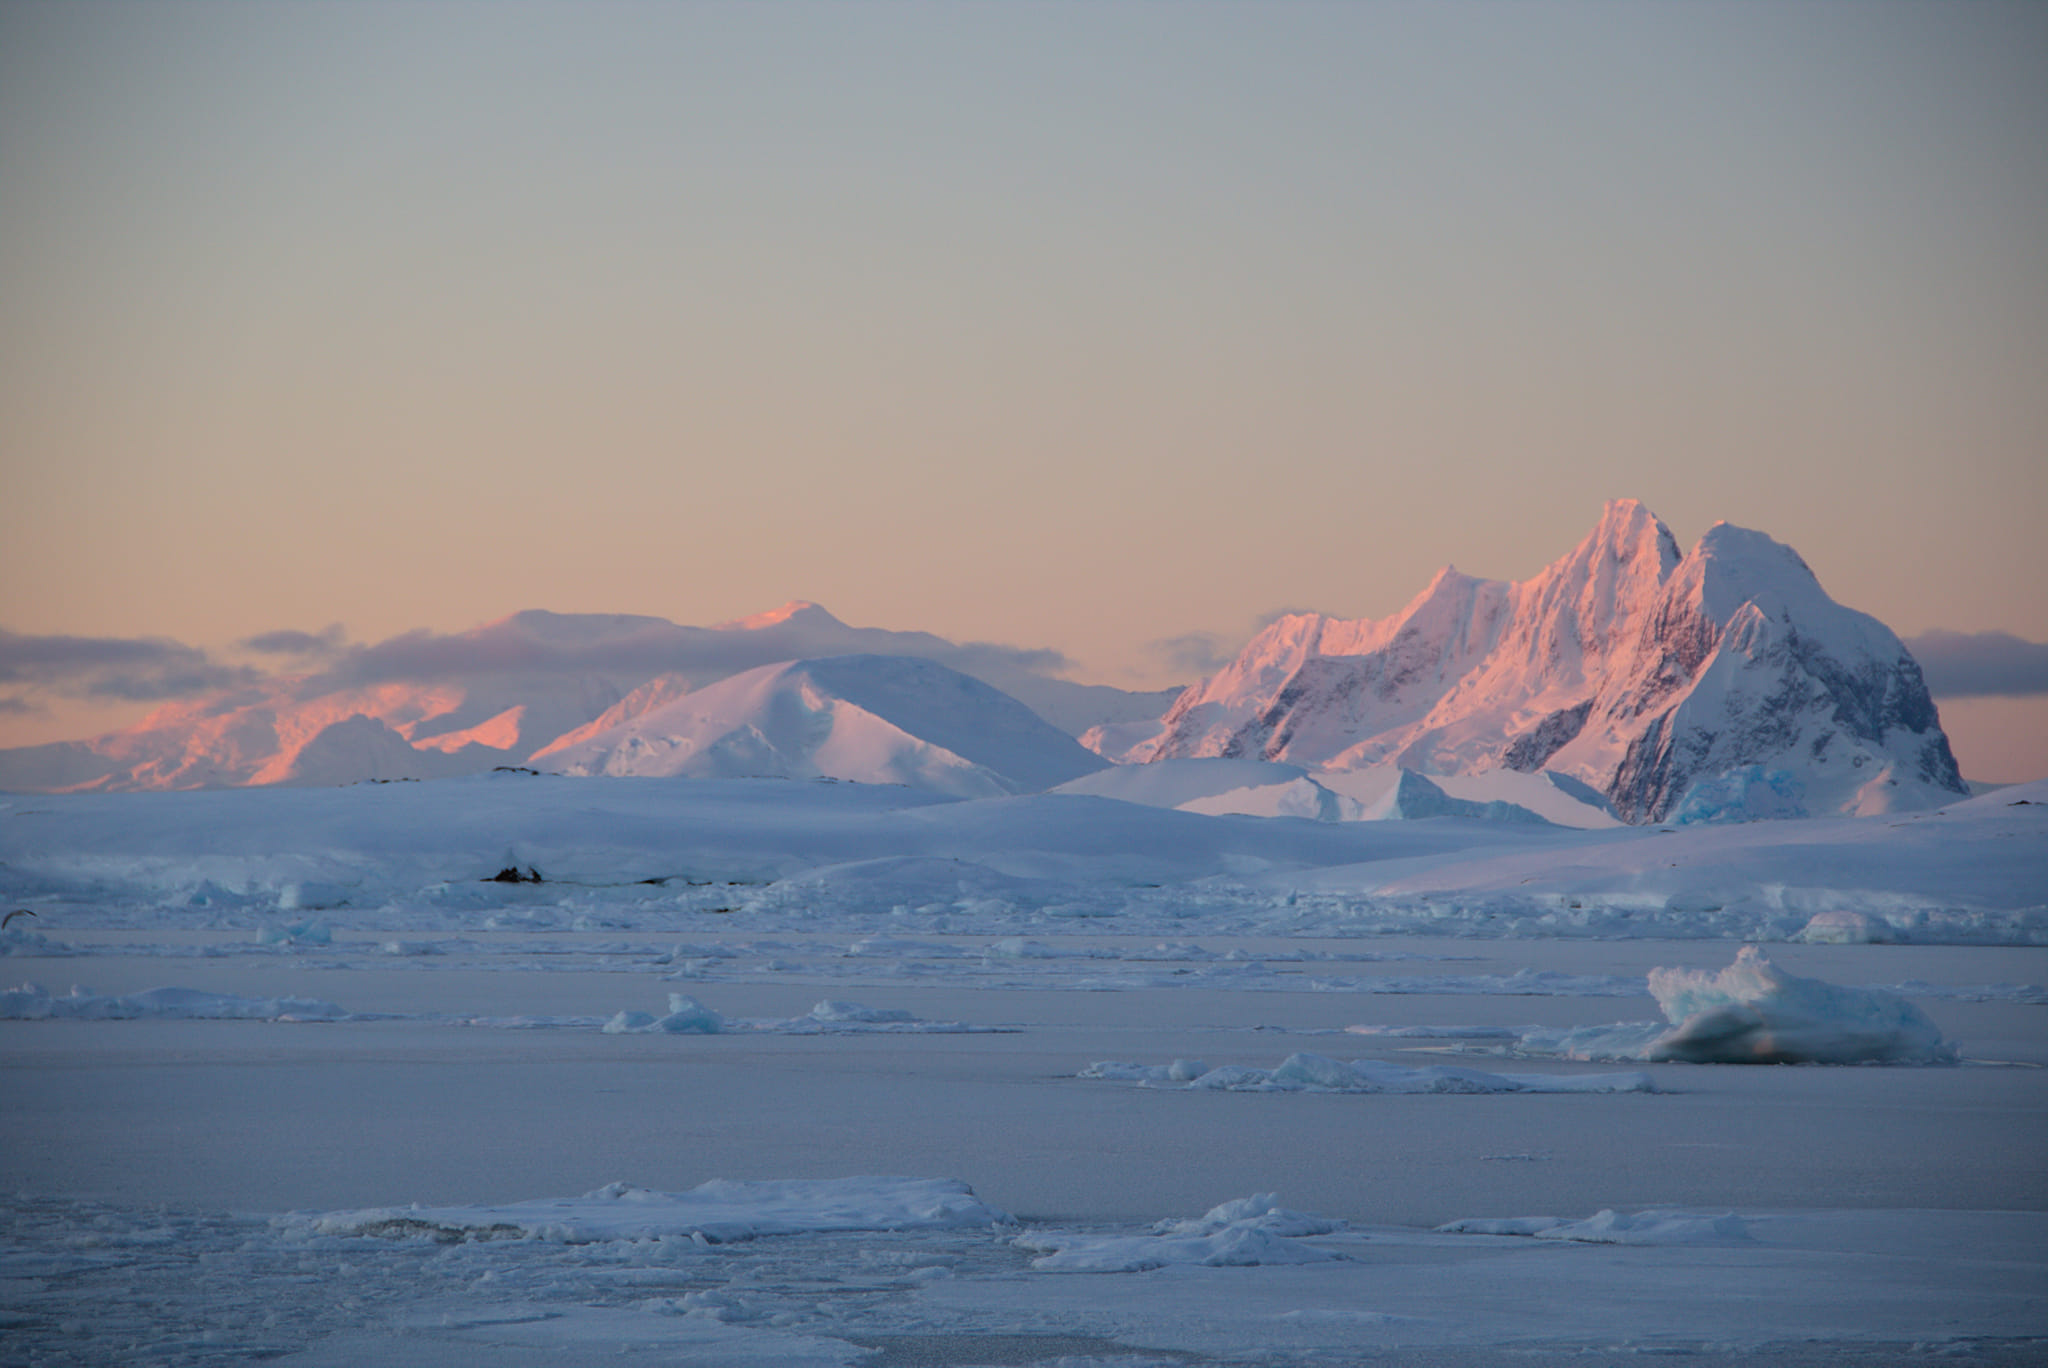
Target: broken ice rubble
<point>1248,1231</point>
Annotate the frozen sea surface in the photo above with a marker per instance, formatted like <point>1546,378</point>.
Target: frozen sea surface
<point>282,1119</point>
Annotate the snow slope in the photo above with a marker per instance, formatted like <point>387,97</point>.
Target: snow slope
<point>1648,676</point>
<point>871,719</point>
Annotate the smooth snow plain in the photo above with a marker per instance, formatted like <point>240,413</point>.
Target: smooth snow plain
<point>767,1072</point>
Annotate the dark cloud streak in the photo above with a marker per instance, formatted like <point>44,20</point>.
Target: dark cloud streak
<point>130,669</point>
<point>329,642</point>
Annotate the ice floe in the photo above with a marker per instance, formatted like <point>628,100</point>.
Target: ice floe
<point>716,1212</point>
<point>1305,1072</point>
<point>687,1016</point>
<point>1659,1226</point>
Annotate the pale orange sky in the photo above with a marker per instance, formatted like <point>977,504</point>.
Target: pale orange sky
<point>1077,326</point>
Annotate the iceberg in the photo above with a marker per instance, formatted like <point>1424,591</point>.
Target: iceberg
<point>1753,1012</point>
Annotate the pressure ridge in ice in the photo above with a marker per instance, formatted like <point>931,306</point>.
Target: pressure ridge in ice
<point>1753,1012</point>
<point>716,1212</point>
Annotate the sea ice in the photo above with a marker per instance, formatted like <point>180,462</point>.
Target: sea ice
<point>839,1013</point>
<point>33,1002</point>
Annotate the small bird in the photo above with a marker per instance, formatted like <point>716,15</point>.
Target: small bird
<point>17,912</point>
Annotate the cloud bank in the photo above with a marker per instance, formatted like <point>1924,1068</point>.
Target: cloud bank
<point>1981,664</point>
<point>622,648</point>
<point>112,669</point>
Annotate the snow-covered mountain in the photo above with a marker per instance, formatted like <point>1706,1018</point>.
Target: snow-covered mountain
<point>423,706</point>
<point>872,719</point>
<point>1725,681</point>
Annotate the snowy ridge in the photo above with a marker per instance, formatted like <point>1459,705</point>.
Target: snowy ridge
<point>870,719</point>
<point>1647,676</point>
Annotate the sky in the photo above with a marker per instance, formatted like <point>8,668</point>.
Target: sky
<point>1104,328</point>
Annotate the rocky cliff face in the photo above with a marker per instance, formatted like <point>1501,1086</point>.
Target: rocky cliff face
<point>1650,676</point>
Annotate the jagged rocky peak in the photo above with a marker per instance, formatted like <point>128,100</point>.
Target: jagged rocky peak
<point>1648,675</point>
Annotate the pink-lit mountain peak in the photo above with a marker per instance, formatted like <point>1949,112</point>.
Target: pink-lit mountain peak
<point>795,613</point>
<point>1641,672</point>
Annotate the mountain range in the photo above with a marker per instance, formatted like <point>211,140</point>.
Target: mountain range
<point>423,706</point>
<point>1626,679</point>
